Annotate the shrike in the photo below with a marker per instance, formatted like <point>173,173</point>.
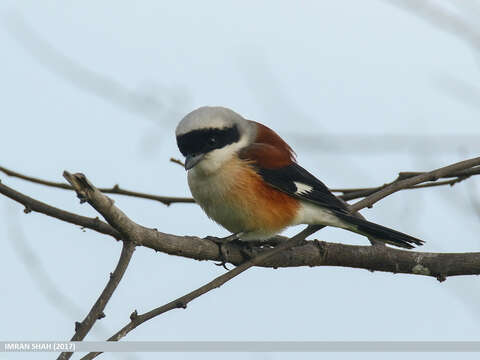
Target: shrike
<point>245,177</point>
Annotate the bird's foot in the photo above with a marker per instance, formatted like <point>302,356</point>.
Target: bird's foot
<point>248,251</point>
<point>222,250</point>
<point>223,256</point>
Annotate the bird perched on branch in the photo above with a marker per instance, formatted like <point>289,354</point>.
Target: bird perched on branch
<point>245,177</point>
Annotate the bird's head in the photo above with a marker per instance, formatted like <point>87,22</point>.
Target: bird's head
<point>210,136</point>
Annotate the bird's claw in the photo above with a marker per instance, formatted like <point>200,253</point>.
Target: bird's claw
<point>221,249</point>
<point>246,250</point>
<point>223,255</point>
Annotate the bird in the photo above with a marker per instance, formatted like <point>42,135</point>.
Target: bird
<point>246,178</point>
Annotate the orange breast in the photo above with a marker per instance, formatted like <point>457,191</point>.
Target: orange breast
<point>264,208</point>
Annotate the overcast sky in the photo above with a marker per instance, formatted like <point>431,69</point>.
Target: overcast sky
<point>360,89</point>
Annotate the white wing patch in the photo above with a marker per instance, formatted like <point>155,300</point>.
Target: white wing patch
<point>302,189</point>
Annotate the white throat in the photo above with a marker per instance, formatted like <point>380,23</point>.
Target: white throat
<point>215,159</point>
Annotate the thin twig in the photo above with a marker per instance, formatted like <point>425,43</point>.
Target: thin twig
<point>347,194</point>
<point>414,180</point>
<point>354,193</point>
<point>475,170</point>
<point>97,310</point>
<point>177,161</point>
<point>43,208</point>
<point>167,200</point>
<point>351,194</point>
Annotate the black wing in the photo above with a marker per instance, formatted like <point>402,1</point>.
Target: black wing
<point>298,182</point>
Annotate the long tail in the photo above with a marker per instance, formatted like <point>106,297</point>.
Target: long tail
<point>379,232</point>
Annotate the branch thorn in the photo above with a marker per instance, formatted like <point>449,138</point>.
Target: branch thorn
<point>181,304</point>
<point>134,315</point>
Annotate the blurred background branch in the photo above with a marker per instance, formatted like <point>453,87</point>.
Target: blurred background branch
<point>147,104</point>
<point>459,18</point>
<point>167,106</point>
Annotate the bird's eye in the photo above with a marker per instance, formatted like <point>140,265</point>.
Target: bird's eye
<point>212,141</point>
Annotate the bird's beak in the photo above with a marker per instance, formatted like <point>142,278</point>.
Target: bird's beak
<point>192,160</point>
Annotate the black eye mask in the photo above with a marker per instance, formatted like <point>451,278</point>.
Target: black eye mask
<point>205,140</point>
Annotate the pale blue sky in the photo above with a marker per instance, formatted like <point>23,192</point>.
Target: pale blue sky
<point>307,69</point>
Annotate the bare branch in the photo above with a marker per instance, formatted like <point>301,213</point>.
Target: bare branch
<point>366,257</point>
<point>191,246</point>
<point>181,302</point>
<point>307,254</point>
<point>86,191</point>
<point>116,218</point>
<point>474,170</point>
<point>177,161</point>
<point>167,200</point>
<point>96,312</point>
<point>347,194</point>
<point>40,207</point>
<point>351,194</point>
<point>402,184</point>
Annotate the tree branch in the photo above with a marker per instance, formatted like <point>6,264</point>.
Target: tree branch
<point>198,248</point>
<point>177,161</point>
<point>319,253</point>
<point>475,170</point>
<point>96,312</point>
<point>167,200</point>
<point>306,254</point>
<point>414,180</point>
<point>347,194</point>
<point>294,252</point>
<point>40,207</point>
<point>181,302</point>
<point>355,193</point>
<point>87,192</point>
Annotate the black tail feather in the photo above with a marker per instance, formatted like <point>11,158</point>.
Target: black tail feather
<point>380,232</point>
